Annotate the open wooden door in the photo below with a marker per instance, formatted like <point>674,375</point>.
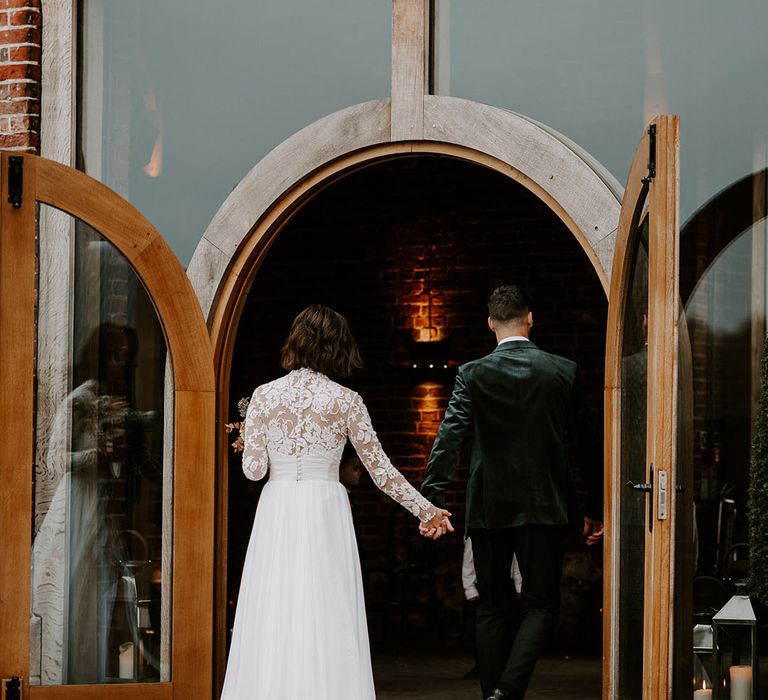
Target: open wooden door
<point>640,426</point>
<point>107,454</point>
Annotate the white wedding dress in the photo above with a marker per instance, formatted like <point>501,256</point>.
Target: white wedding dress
<point>300,630</point>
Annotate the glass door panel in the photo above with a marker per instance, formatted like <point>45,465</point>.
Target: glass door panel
<point>634,416</point>
<point>722,336</point>
<point>103,481</point>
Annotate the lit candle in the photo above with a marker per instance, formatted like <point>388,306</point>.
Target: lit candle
<point>741,682</point>
<point>703,694</point>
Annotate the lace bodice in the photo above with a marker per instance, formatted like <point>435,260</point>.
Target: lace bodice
<point>306,414</point>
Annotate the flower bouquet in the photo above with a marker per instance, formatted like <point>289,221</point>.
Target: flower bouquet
<point>235,428</point>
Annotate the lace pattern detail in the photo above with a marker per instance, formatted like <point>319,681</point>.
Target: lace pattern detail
<point>366,443</point>
<point>306,413</point>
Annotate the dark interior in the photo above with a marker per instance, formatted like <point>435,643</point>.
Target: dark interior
<point>400,247</point>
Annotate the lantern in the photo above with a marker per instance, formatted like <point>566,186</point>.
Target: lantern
<point>703,670</point>
<point>735,649</point>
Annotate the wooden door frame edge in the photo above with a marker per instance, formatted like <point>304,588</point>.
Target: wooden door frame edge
<point>664,315</point>
<point>667,136</point>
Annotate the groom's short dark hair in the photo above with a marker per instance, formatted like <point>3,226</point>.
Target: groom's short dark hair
<point>507,303</point>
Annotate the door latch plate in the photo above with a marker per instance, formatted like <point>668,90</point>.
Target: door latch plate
<point>663,501</point>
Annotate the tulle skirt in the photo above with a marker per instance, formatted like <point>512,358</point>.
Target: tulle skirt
<point>300,628</point>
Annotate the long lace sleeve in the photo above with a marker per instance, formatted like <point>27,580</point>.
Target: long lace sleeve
<point>255,458</point>
<point>385,476</point>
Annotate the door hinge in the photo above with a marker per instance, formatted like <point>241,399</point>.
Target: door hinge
<point>11,688</point>
<point>15,180</point>
<point>651,154</point>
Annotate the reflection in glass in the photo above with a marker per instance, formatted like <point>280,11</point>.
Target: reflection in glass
<point>100,567</point>
<point>634,388</point>
<point>693,640</point>
<point>723,289</point>
<point>144,129</point>
<point>699,60</point>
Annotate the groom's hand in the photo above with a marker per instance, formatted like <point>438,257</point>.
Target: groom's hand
<point>437,526</point>
<point>593,531</point>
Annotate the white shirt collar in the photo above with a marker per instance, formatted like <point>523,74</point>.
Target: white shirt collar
<point>510,338</point>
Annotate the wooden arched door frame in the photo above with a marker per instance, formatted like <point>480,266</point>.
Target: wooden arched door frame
<point>190,355</point>
<point>227,306</point>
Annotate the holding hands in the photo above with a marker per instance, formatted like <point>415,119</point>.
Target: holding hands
<point>436,527</point>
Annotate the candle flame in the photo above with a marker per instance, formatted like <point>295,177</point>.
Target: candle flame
<point>704,687</point>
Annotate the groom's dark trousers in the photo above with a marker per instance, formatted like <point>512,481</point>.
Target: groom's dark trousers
<point>513,632</point>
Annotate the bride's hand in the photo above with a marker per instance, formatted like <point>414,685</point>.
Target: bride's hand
<point>437,526</point>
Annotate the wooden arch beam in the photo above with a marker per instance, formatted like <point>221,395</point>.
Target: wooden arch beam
<point>580,191</point>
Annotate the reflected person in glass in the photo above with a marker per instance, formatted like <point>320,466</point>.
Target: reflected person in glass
<point>78,545</point>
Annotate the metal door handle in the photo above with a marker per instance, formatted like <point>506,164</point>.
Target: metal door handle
<point>646,488</point>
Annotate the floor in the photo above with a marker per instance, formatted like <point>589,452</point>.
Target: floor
<point>429,675</point>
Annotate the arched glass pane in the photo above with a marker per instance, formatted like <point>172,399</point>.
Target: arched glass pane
<point>632,520</point>
<point>101,555</point>
<point>722,334</point>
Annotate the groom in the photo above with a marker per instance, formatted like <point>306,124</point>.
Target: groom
<point>523,406</point>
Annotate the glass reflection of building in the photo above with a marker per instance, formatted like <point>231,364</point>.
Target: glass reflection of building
<point>723,290</point>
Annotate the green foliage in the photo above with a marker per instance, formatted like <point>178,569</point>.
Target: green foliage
<point>758,493</point>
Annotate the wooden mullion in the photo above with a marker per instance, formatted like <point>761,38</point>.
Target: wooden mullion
<point>410,56</point>
<point>192,622</point>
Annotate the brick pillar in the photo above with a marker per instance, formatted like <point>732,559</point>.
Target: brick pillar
<point>20,52</point>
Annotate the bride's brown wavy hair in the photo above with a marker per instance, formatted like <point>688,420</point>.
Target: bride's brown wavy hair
<point>320,339</point>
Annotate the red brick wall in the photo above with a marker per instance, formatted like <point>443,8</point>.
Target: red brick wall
<point>20,51</point>
<point>370,246</point>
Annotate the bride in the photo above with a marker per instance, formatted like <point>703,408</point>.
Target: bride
<point>300,630</point>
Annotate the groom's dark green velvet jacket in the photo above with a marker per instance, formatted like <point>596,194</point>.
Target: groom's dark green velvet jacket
<point>524,408</point>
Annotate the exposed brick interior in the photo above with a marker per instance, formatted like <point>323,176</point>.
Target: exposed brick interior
<point>20,51</point>
<point>377,246</point>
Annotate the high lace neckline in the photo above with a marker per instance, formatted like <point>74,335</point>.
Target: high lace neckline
<point>306,372</point>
